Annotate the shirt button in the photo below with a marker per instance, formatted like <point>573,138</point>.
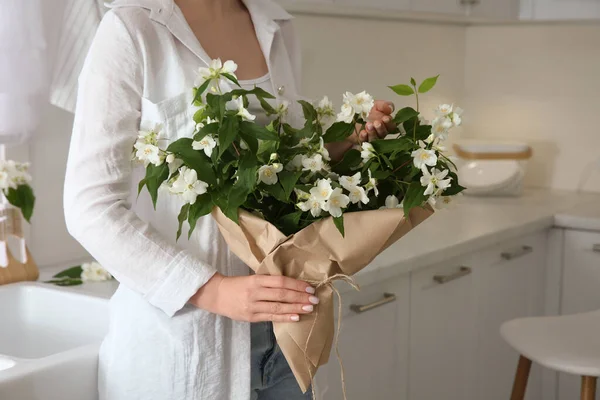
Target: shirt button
<point>281,90</point>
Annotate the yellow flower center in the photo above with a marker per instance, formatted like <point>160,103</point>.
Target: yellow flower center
<point>147,151</point>
<point>324,192</point>
<point>424,156</point>
<point>335,202</point>
<point>268,173</point>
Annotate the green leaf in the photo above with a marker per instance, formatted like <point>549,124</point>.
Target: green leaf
<point>289,222</point>
<point>203,206</point>
<point>266,106</point>
<point>227,133</point>
<point>201,90</point>
<point>402,90</point>
<point>428,84</point>
<point>256,91</point>
<point>338,132</point>
<point>288,182</point>
<point>197,160</point>
<point>352,158</point>
<point>155,176</point>
<point>391,145</point>
<point>413,82</point>
<point>23,198</point>
<point>267,147</point>
<point>414,197</point>
<point>455,187</point>
<point>310,114</point>
<point>73,272</point>
<point>386,161</point>
<point>251,141</point>
<point>276,191</point>
<point>65,282</point>
<point>247,171</point>
<point>209,129</point>
<point>217,105</point>
<point>339,224</point>
<point>405,114</point>
<point>257,131</point>
<point>182,217</point>
<point>231,78</point>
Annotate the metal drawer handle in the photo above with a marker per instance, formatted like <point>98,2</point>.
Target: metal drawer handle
<point>511,255</point>
<point>463,271</point>
<point>387,298</point>
<point>596,248</point>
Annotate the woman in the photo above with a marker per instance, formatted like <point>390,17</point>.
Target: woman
<point>179,320</point>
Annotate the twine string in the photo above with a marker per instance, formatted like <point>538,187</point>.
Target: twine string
<point>319,284</point>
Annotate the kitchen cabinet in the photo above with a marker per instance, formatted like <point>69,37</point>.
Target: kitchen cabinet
<point>495,9</point>
<point>443,331</point>
<point>373,345</point>
<point>509,284</point>
<point>559,9</point>
<point>580,289</point>
<point>398,5</point>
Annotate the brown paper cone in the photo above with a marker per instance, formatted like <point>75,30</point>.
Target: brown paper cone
<point>314,254</point>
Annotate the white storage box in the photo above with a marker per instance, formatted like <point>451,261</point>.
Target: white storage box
<point>492,168</point>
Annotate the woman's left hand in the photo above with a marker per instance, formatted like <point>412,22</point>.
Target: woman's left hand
<point>380,122</point>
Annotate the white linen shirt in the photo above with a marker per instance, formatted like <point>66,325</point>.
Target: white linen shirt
<point>140,69</point>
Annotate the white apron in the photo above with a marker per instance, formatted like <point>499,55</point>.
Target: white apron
<point>140,69</point>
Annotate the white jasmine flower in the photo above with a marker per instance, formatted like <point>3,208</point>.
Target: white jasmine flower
<point>4,180</point>
<point>188,186</point>
<point>207,143</point>
<point>435,143</point>
<point>325,112</point>
<point>357,194</point>
<point>273,157</point>
<point>175,165</point>
<point>313,164</point>
<point>372,185</point>
<point>322,191</point>
<point>268,173</point>
<point>347,114</point>
<point>422,120</point>
<point>323,150</point>
<point>213,73</point>
<point>150,135</point>
<point>237,104</point>
<point>349,182</point>
<point>423,156</point>
<point>443,110</point>
<point>392,202</point>
<point>457,116</point>
<point>93,272</point>
<point>434,180</point>
<point>301,194</point>
<point>444,202</point>
<point>367,152</point>
<point>243,144</point>
<point>295,164</point>
<point>333,176</point>
<point>148,153</point>
<point>440,127</point>
<point>336,202</point>
<point>362,103</point>
<point>312,205</point>
<point>170,158</point>
<point>282,109</point>
<point>304,142</point>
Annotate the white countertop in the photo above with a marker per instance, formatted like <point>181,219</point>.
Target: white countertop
<point>476,222</point>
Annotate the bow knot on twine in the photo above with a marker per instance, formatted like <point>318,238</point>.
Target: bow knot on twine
<point>328,282</point>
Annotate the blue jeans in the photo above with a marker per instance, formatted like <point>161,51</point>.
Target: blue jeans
<point>272,378</point>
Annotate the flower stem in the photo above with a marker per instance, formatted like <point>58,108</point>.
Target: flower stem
<point>417,118</point>
<point>236,149</point>
<point>396,170</point>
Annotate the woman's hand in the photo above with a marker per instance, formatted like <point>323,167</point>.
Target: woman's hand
<point>380,122</point>
<point>256,298</point>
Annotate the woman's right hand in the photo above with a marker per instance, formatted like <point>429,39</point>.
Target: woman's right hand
<point>256,298</point>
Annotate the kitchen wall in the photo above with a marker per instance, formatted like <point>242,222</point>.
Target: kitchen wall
<point>539,83</point>
<point>339,54</point>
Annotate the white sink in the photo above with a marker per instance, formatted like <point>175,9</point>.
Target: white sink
<point>49,341</point>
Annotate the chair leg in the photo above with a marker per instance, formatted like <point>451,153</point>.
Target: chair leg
<point>588,387</point>
<point>521,378</point>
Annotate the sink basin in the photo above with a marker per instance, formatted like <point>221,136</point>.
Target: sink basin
<point>38,321</point>
<point>49,342</point>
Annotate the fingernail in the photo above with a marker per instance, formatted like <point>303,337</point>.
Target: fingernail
<point>386,119</point>
<point>377,124</point>
<point>313,299</point>
<point>295,318</point>
<point>392,106</point>
<point>308,308</point>
<point>369,126</point>
<point>310,290</point>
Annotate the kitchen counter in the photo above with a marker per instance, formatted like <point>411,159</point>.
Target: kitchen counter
<point>473,224</point>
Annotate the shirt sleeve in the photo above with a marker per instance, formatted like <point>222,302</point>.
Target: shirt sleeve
<point>98,178</point>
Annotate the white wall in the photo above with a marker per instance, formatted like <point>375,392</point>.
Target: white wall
<point>538,83</point>
<point>339,54</point>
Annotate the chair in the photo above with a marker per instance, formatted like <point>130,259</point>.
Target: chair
<point>569,343</point>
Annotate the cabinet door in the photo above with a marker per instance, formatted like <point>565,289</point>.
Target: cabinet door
<point>442,331</point>
<point>400,5</point>
<point>373,346</point>
<point>496,9</point>
<point>580,290</point>
<point>510,284</point>
<point>439,6</point>
<point>565,9</point>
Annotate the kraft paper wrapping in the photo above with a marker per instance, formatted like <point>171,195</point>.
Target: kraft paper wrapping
<point>314,254</point>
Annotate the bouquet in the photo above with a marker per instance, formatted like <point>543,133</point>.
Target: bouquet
<point>284,206</point>
<point>14,184</point>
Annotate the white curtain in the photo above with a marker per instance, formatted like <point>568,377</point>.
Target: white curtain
<point>23,69</point>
